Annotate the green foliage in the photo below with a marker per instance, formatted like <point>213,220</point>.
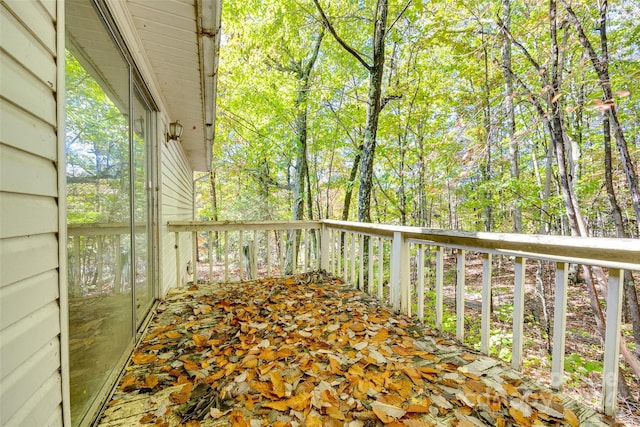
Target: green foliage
<point>442,157</point>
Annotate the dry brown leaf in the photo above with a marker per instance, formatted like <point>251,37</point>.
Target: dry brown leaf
<point>571,417</point>
<point>200,340</point>
<point>183,395</point>
<point>519,418</point>
<point>279,405</point>
<point>192,423</point>
<point>277,383</point>
<point>313,420</point>
<point>148,419</point>
<point>236,419</point>
<point>142,358</point>
<point>150,381</point>
<point>387,413</point>
<point>173,334</point>
<point>417,408</point>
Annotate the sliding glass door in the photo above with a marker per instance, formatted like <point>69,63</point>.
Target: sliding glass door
<point>109,133</point>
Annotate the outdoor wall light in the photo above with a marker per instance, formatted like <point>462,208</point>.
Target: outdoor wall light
<point>175,131</point>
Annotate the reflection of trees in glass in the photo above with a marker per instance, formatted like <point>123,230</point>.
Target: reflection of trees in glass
<point>97,144</point>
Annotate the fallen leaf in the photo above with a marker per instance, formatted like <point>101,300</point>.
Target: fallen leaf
<point>200,340</point>
<point>142,358</point>
<point>571,417</point>
<point>183,395</point>
<point>277,383</point>
<point>387,413</point>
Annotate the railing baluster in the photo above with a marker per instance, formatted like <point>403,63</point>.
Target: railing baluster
<point>210,254</point>
<point>439,286</point>
<point>294,252</point>
<point>226,256</point>
<point>380,268</point>
<point>370,266</point>
<point>178,281</point>
<point>612,342</point>
<point>345,256</point>
<point>254,261</point>
<point>267,243</point>
<point>421,283</point>
<point>283,251</point>
<point>240,257</point>
<point>353,259</point>
<point>194,257</point>
<point>306,250</point>
<point>361,263</point>
<point>518,313</point>
<point>485,327</point>
<point>117,285</point>
<point>460,294</point>
<point>77,270</point>
<point>559,325</point>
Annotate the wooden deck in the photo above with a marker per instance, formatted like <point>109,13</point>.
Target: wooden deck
<point>309,351</point>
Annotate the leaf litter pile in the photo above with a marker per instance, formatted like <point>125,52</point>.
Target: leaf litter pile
<point>309,351</point>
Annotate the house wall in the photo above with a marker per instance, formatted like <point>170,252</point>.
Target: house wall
<point>176,202</point>
<point>30,305</point>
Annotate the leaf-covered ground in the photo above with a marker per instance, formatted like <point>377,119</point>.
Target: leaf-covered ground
<point>309,351</point>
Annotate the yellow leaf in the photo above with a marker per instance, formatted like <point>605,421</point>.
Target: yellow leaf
<point>150,381</point>
<point>280,405</point>
<point>571,417</point>
<point>277,383</point>
<point>199,340</point>
<point>299,402</point>
<point>313,420</point>
<point>183,395</point>
<point>143,359</point>
<point>387,413</point>
<point>173,334</point>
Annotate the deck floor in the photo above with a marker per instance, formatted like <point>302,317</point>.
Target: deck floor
<point>309,351</point>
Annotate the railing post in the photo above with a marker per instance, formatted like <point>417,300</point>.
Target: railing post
<point>325,243</point>
<point>439,285</point>
<point>485,327</point>
<point>400,295</point>
<point>460,291</point>
<point>518,313</point>
<point>421,283</point>
<point>612,342</point>
<point>394,283</point>
<point>177,246</point>
<point>559,325</point>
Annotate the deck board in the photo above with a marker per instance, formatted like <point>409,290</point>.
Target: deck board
<point>308,350</point>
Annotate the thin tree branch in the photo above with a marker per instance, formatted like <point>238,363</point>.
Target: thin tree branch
<point>335,35</point>
<point>404,9</point>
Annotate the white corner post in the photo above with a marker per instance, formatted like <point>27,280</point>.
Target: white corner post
<point>559,325</point>
<point>612,342</point>
<point>439,285</point>
<point>460,291</point>
<point>518,314</point>
<point>485,325</point>
<point>325,243</point>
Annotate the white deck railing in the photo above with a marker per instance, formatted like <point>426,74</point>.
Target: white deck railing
<point>344,247</point>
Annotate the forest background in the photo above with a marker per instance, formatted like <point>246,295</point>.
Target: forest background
<point>507,116</point>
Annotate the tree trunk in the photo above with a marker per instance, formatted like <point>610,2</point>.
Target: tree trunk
<point>514,169</point>
<point>302,71</point>
<point>601,66</point>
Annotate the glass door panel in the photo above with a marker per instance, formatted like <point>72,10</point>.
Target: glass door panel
<point>99,203</point>
<point>142,207</point>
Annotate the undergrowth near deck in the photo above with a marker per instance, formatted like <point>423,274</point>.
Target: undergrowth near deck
<point>308,351</point>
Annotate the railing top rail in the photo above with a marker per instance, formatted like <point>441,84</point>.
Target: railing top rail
<point>103,228</point>
<point>178,226</point>
<point>624,253</point>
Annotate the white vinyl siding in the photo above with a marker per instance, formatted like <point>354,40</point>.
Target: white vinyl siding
<point>30,325</point>
<point>177,205</point>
